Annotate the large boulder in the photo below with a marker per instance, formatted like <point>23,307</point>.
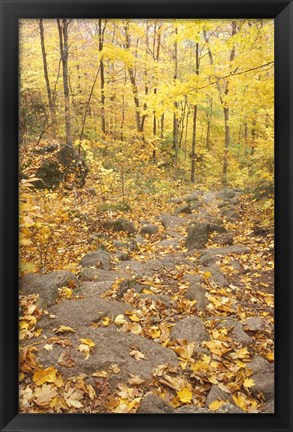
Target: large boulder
<point>120,224</point>
<point>149,229</point>
<point>170,221</point>
<point>211,255</point>
<point>81,313</point>
<point>47,285</point>
<point>112,347</point>
<point>264,384</point>
<point>191,329</point>
<point>197,292</point>
<point>98,259</point>
<point>216,394</point>
<point>153,404</point>
<point>236,331</point>
<point>198,235</point>
<point>185,209</point>
<point>64,165</point>
<point>92,274</point>
<point>224,409</point>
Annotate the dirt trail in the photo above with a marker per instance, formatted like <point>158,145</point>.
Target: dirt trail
<point>181,321</point>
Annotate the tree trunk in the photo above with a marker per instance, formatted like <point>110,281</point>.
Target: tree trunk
<point>175,119</point>
<point>63,44</point>
<point>192,172</point>
<point>227,113</point>
<point>102,75</point>
<point>133,84</point>
<point>209,118</point>
<point>162,126</point>
<point>46,75</point>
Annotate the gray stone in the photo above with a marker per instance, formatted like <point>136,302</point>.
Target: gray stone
<point>91,274</point>
<point>46,285</point>
<point>92,191</point>
<point>254,324</point>
<point>184,209</point>
<point>213,254</point>
<point>229,214</point>
<point>153,404</point>
<point>88,289</point>
<point>191,329</point>
<point>198,235</point>
<point>224,409</point>
<point>223,239</point>
<point>217,275</point>
<point>170,221</point>
<point>158,298</point>
<point>111,347</point>
<point>236,331</point>
<point>83,312</point>
<point>264,383</point>
<point>176,200</point>
<point>122,256</point>
<point>258,364</point>
<point>128,284</point>
<point>150,229</point>
<point>99,259</point>
<point>197,292</point>
<point>120,224</point>
<point>216,394</point>
<point>269,407</point>
<point>192,197</point>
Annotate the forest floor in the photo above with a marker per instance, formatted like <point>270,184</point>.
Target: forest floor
<point>167,310</point>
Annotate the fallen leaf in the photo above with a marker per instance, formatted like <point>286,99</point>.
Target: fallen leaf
<point>136,354</point>
<point>185,395</point>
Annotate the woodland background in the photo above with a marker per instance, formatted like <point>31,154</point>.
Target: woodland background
<point>146,179</point>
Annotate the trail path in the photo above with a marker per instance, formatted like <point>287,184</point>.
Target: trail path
<point>176,317</point>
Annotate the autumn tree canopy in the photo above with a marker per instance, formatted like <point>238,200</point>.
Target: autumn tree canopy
<point>191,95</point>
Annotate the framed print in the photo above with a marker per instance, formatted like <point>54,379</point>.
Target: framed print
<point>146,196</point>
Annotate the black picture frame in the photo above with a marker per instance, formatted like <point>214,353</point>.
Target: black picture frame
<point>13,10</point>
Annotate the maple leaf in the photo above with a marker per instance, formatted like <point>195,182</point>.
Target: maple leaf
<point>185,395</point>
<point>248,383</point>
<point>73,398</point>
<point>44,394</point>
<point>47,375</point>
<point>65,359</point>
<point>48,347</point>
<point>135,380</point>
<point>215,405</point>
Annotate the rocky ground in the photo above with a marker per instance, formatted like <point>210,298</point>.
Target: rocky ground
<point>172,316</point>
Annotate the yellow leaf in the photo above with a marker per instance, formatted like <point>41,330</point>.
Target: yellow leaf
<point>105,321</point>
<point>241,353</point>
<point>270,356</point>
<point>249,382</point>
<point>136,354</point>
<point>84,349</point>
<point>134,317</point>
<point>100,374</point>
<point>115,368</point>
<point>73,397</point>
<point>44,394</point>
<point>215,405</point>
<point>185,395</point>
<point>88,342</point>
<point>63,329</point>
<point>42,376</point>
<point>120,319</point>
<point>48,347</point>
